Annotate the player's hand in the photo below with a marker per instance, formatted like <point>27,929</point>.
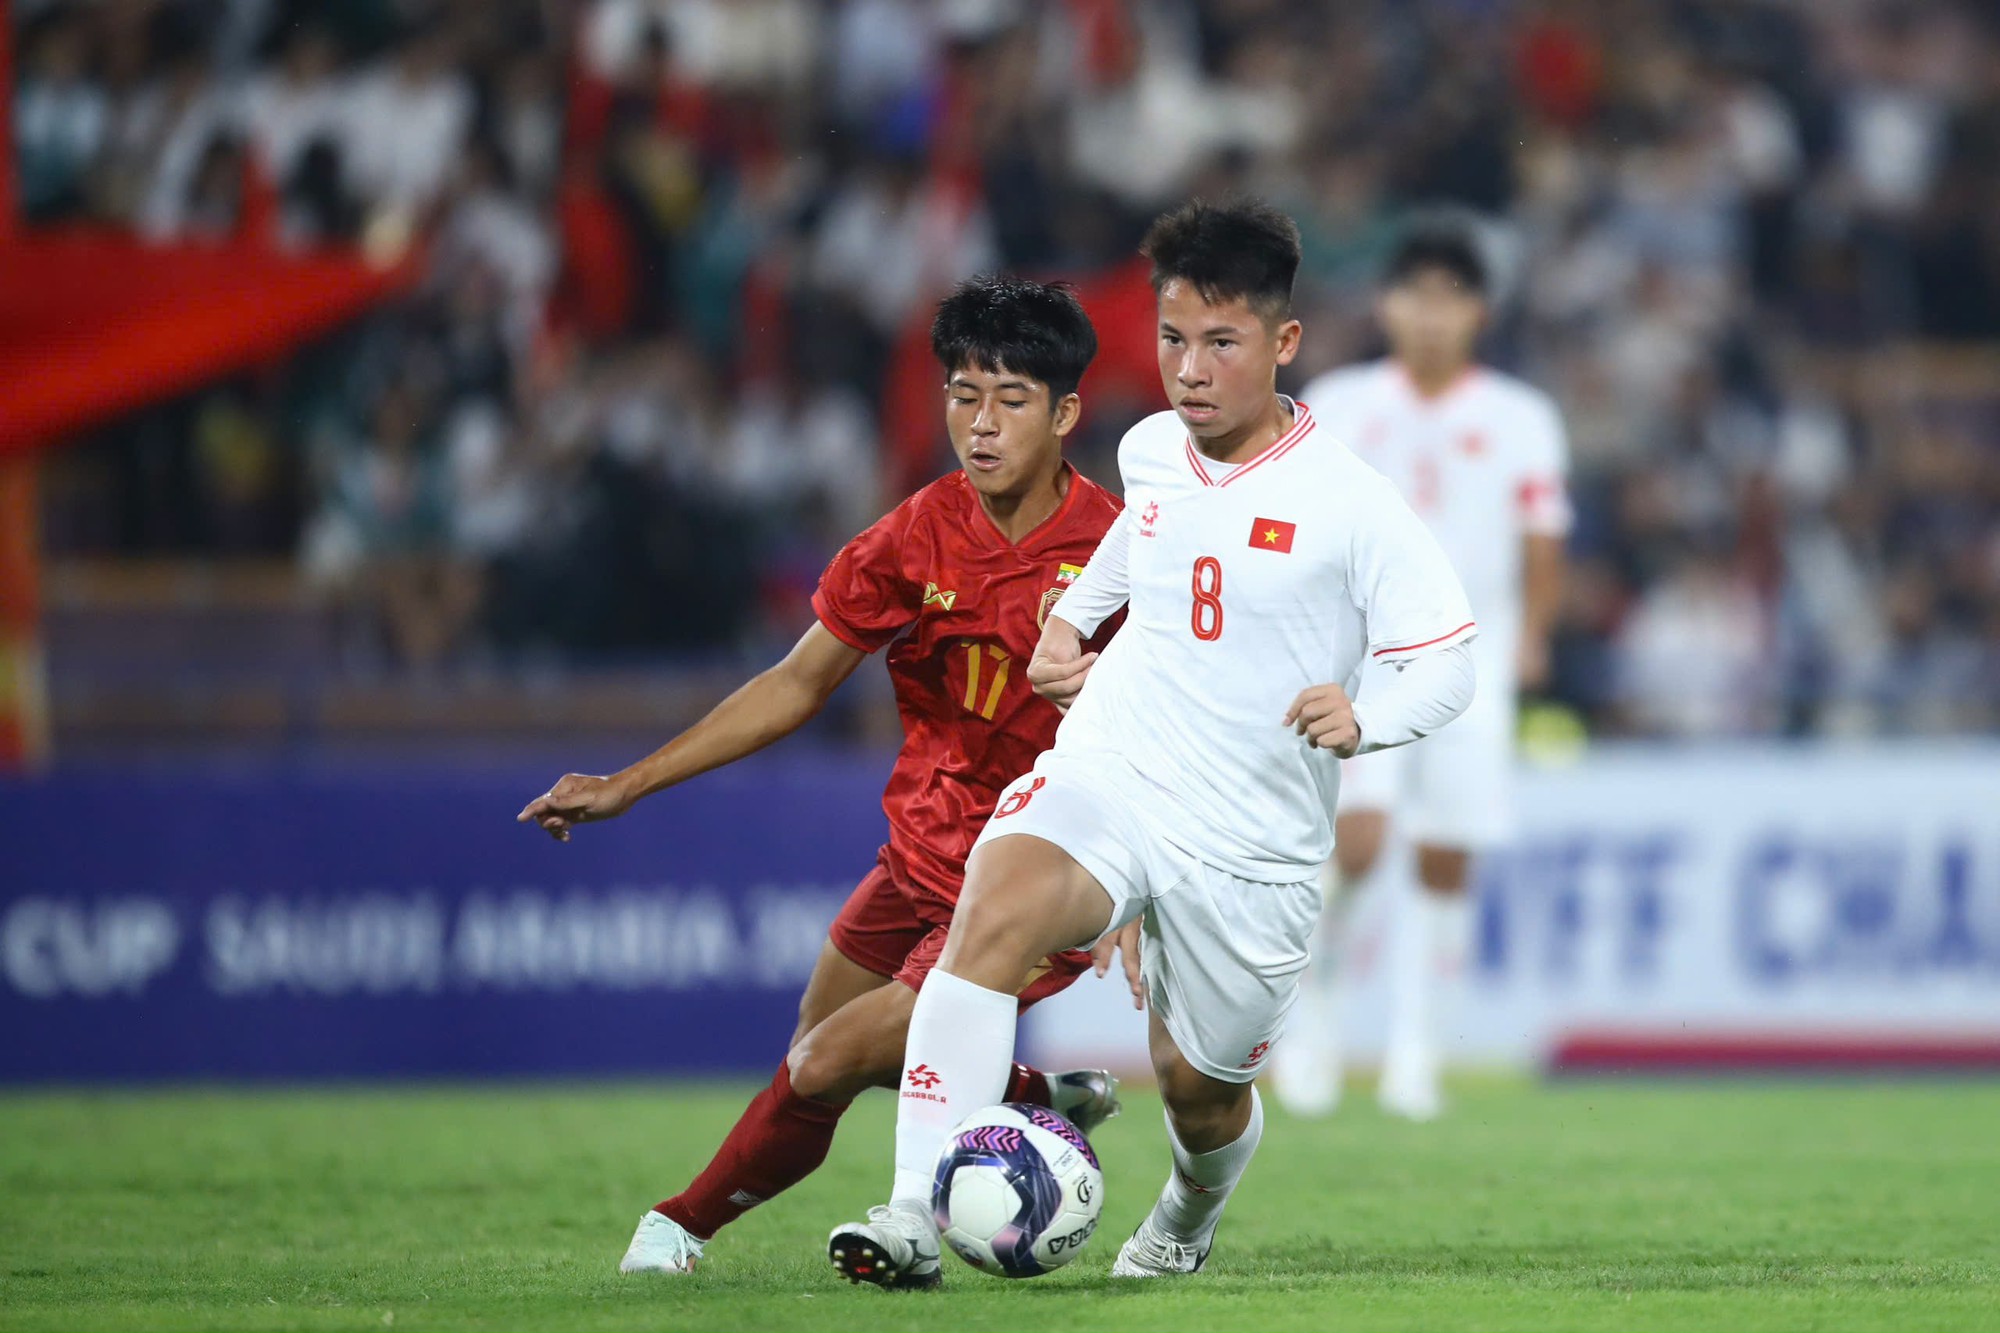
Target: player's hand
<point>1325,716</point>
<point>1057,670</point>
<point>1059,682</point>
<point>1531,662</point>
<point>577,799</point>
<point>1125,941</point>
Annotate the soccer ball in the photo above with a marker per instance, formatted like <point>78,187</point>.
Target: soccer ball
<point>1017,1190</point>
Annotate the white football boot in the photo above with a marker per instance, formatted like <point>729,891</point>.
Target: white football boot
<point>661,1245</point>
<point>1412,1082</point>
<point>896,1247</point>
<point>1152,1253</point>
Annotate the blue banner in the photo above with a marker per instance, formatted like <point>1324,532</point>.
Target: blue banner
<point>383,921</point>
<point>1789,905</point>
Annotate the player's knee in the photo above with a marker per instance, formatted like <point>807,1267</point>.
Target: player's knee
<point>1354,862</point>
<point>1358,843</point>
<point>1444,870</point>
<point>1206,1113</point>
<point>825,1071</point>
<point>859,1048</point>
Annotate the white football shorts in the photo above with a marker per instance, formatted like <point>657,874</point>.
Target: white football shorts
<point>1222,956</point>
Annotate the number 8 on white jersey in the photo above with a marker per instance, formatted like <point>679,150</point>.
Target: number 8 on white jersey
<point>1246,585</point>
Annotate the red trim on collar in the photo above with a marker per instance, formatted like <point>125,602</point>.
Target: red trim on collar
<point>1302,424</point>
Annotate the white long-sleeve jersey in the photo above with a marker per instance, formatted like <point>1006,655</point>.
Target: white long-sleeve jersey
<point>1483,464</point>
<point>1247,584</point>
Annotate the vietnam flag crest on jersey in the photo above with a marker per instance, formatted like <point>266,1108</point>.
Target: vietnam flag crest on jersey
<point>1272,534</point>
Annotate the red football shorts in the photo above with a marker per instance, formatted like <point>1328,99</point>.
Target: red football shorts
<point>898,930</point>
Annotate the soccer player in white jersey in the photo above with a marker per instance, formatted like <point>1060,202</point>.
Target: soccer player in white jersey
<point>1481,458</point>
<point>1185,807</point>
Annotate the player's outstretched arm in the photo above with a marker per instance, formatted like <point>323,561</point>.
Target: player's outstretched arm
<point>771,705</point>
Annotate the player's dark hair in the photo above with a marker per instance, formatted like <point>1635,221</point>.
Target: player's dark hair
<point>1438,243</point>
<point>1240,249</point>
<point>995,323</point>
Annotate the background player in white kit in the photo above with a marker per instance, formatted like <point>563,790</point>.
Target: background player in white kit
<point>1190,787</point>
<point>1481,458</point>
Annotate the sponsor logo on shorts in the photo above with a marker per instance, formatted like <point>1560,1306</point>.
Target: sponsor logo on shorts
<point>1256,1056</point>
<point>1018,799</point>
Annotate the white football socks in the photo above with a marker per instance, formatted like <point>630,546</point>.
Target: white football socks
<point>1201,1183</point>
<point>1310,1062</point>
<point>1432,974</point>
<point>959,1053</point>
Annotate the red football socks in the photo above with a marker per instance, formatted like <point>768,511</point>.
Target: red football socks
<point>1029,1085</point>
<point>781,1139</point>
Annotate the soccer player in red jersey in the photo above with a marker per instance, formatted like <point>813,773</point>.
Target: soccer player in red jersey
<point>955,583</point>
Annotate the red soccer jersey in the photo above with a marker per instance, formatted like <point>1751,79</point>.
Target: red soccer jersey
<point>961,608</point>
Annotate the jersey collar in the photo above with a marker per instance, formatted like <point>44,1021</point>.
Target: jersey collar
<point>1302,425</point>
<point>1042,529</point>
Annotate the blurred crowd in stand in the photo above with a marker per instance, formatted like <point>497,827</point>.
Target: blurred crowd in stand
<point>670,249</point>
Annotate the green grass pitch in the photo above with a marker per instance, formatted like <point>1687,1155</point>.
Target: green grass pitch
<point>1601,1206</point>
